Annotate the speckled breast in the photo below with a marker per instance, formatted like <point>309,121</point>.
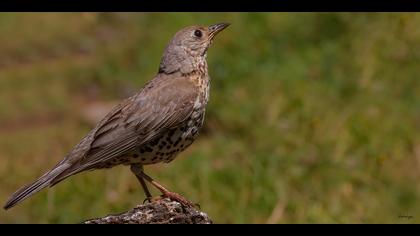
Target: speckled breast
<point>166,147</point>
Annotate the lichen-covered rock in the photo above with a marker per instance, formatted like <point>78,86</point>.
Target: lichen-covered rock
<point>163,211</point>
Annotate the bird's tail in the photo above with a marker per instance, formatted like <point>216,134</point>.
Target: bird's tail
<point>36,186</point>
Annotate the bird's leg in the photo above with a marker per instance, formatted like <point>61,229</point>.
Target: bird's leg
<point>136,169</point>
<point>167,193</point>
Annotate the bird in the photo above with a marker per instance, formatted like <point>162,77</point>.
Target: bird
<point>153,126</point>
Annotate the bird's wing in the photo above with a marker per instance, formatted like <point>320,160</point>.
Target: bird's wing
<point>163,104</point>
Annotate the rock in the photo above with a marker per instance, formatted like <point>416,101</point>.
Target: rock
<point>162,211</point>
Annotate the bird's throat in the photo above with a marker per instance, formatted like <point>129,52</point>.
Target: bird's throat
<point>201,79</point>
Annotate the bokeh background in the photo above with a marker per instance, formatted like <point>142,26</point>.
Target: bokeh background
<point>313,117</point>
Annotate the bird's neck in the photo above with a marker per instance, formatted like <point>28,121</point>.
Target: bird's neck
<point>200,78</point>
<point>185,62</point>
<point>200,66</point>
<point>195,69</point>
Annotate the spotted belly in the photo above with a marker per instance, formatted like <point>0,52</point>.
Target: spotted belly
<point>164,148</point>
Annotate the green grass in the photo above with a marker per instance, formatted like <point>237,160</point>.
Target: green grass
<point>313,117</point>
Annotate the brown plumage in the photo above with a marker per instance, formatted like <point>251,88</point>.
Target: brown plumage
<point>152,126</point>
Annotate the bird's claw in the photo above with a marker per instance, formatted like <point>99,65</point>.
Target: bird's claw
<point>148,200</point>
<point>178,198</point>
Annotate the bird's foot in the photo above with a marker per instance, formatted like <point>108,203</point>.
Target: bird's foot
<point>178,198</point>
<point>148,200</point>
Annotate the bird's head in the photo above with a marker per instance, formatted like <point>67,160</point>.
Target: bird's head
<point>188,47</point>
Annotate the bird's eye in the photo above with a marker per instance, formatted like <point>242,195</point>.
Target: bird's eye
<point>198,33</point>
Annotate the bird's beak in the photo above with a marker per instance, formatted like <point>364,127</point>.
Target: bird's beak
<point>215,29</point>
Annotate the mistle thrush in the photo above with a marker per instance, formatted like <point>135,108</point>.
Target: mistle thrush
<point>150,127</point>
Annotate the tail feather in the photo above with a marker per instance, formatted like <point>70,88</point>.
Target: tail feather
<point>36,186</point>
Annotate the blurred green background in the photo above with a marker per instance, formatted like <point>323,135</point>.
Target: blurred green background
<point>313,117</point>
